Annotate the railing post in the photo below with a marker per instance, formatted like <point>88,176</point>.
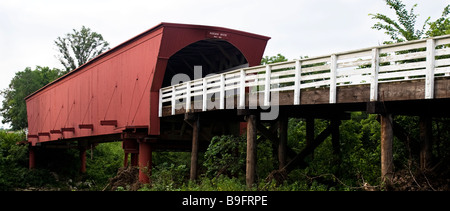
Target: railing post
<point>333,70</point>
<point>298,75</point>
<point>173,100</point>
<point>204,94</point>
<point>429,75</point>
<point>160,104</point>
<point>374,75</point>
<point>222,91</point>
<point>242,90</point>
<point>188,96</point>
<point>267,86</point>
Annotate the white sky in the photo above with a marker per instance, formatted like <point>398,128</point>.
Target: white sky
<point>28,28</point>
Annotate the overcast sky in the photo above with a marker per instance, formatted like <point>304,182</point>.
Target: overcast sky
<point>28,28</point>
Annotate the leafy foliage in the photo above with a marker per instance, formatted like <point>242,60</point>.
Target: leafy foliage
<point>441,26</point>
<point>79,47</point>
<point>106,159</point>
<point>273,59</point>
<point>404,28</point>
<point>225,155</point>
<point>23,84</point>
<point>14,171</point>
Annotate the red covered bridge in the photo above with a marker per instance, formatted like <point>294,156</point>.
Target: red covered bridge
<point>115,96</point>
<point>127,94</point>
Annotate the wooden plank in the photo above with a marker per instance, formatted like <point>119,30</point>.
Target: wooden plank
<point>406,66</point>
<point>402,57</point>
<point>55,131</point>
<point>443,51</point>
<point>354,63</point>
<point>108,123</point>
<point>315,60</point>
<point>316,84</point>
<point>242,90</point>
<point>222,91</point>
<point>282,73</point>
<point>401,47</point>
<point>353,94</point>
<point>68,129</point>
<point>285,88</point>
<point>354,54</point>
<point>160,103</point>
<point>86,126</point>
<point>333,71</point>
<point>204,95</point>
<point>353,71</point>
<point>297,81</point>
<point>315,76</point>
<point>315,68</point>
<point>267,86</point>
<point>429,75</point>
<point>283,65</point>
<point>173,100</point>
<point>188,96</point>
<point>282,80</point>
<point>401,74</point>
<point>442,40</point>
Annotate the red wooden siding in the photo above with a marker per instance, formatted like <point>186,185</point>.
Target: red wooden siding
<point>120,88</point>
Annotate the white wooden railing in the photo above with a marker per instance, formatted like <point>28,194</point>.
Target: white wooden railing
<point>426,58</point>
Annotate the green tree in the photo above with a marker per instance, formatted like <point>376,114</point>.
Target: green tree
<point>404,28</point>
<point>441,26</point>
<point>273,59</point>
<point>23,84</point>
<point>79,47</point>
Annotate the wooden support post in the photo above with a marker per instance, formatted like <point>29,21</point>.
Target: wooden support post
<point>83,159</point>
<point>426,135</point>
<point>194,153</point>
<point>145,161</point>
<point>251,150</point>
<point>387,136</point>
<point>282,144</point>
<point>31,156</point>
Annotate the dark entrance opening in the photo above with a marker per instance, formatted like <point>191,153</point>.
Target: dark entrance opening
<point>214,55</point>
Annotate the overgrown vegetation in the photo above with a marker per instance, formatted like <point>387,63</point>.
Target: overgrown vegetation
<point>355,167</point>
<point>224,161</point>
<point>57,169</point>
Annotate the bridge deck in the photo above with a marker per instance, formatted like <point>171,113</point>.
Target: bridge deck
<point>400,91</point>
<point>412,70</point>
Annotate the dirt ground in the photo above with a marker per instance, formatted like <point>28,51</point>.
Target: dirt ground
<point>126,178</point>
